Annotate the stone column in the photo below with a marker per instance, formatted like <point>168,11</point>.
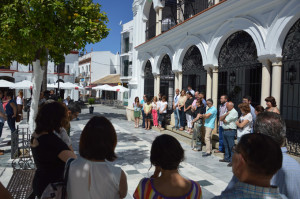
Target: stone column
<point>158,21</point>
<point>155,82</point>
<point>215,86</point>
<point>208,83</point>
<point>180,80</point>
<point>180,10</point>
<point>276,79</point>
<point>266,80</point>
<point>157,85</point>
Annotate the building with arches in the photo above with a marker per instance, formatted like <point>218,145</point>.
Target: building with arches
<point>233,47</point>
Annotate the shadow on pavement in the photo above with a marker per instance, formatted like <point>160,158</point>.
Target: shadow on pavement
<point>87,116</point>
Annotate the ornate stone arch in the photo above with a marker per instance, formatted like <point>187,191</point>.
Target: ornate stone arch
<point>160,55</point>
<point>280,28</point>
<point>184,46</point>
<point>253,28</point>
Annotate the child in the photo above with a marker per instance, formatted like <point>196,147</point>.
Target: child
<point>148,110</point>
<point>154,111</point>
<point>137,112</point>
<point>163,112</point>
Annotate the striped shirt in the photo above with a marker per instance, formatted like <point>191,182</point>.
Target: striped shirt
<point>146,190</point>
<point>243,190</point>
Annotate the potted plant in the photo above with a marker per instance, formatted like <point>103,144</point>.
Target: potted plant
<point>91,102</point>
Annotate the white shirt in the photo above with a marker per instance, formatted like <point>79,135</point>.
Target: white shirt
<point>162,106</point>
<point>247,127</point>
<point>154,106</point>
<point>63,135</point>
<point>105,180</point>
<point>19,101</point>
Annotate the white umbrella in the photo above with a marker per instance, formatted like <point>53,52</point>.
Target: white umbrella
<point>104,87</point>
<point>4,83</point>
<point>67,85</point>
<point>121,89</point>
<point>25,84</point>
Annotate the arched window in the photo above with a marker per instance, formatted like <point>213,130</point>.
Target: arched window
<point>148,80</point>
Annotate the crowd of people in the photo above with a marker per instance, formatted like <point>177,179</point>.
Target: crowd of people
<point>12,108</point>
<point>197,116</point>
<point>260,163</point>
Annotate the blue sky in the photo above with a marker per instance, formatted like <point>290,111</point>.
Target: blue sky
<point>117,10</point>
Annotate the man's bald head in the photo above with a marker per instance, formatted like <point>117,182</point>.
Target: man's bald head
<point>229,105</point>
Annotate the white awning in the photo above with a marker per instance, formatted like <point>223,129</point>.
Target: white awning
<point>25,84</point>
<point>4,83</point>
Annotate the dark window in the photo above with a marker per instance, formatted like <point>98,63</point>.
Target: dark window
<point>290,92</point>
<point>126,44</point>
<point>239,70</point>
<point>148,80</point>
<point>151,24</point>
<point>126,64</point>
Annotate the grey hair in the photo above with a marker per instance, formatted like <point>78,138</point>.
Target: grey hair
<point>271,124</point>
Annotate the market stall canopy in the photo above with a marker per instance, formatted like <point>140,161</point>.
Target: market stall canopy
<point>25,84</point>
<point>121,89</point>
<point>109,79</point>
<point>4,83</point>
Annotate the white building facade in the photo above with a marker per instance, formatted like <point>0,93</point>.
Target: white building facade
<point>233,47</point>
<point>96,65</point>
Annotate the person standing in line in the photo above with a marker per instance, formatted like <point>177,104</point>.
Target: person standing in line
<point>175,108</point>
<point>181,102</point>
<point>189,89</point>
<point>143,102</point>
<point>222,111</point>
<point>196,97</point>
<point>20,102</point>
<point>210,118</point>
<point>154,111</point>
<point>198,122</point>
<point>256,159</point>
<point>271,105</point>
<point>202,97</point>
<point>163,112</point>
<point>137,112</point>
<point>2,119</point>
<point>188,111</point>
<point>158,107</point>
<point>11,112</point>
<point>244,124</point>
<point>259,109</point>
<point>148,110</point>
<point>229,133</point>
<point>248,100</point>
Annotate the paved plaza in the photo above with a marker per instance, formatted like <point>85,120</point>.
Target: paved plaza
<point>133,151</point>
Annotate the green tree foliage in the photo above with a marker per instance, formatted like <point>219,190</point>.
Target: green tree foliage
<point>32,29</point>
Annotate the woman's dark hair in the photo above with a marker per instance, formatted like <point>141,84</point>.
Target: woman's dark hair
<point>164,97</point>
<point>262,154</point>
<point>10,94</point>
<point>98,140</point>
<point>271,100</point>
<point>136,98</point>
<point>200,102</point>
<point>189,93</point>
<point>51,117</point>
<point>259,108</point>
<point>166,152</point>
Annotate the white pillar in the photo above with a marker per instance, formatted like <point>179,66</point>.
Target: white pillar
<point>158,84</point>
<point>208,83</point>
<point>180,81</point>
<point>176,81</point>
<point>215,86</point>
<point>155,85</point>
<point>265,81</point>
<point>158,21</point>
<point>276,79</point>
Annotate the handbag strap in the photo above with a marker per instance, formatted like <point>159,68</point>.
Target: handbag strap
<point>66,176</point>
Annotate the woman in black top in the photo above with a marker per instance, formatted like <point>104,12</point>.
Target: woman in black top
<point>198,122</point>
<point>49,152</point>
<point>188,111</point>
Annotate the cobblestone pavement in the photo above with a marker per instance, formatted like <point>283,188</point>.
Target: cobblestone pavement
<point>133,150</point>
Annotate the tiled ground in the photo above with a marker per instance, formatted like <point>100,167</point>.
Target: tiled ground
<point>133,152</point>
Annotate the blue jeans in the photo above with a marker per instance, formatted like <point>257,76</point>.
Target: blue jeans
<point>143,114</point>
<point>228,139</point>
<point>1,127</point>
<point>11,123</point>
<point>177,118</point>
<point>182,117</point>
<point>221,145</point>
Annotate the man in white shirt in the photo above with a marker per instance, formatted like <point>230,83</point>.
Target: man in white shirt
<point>175,108</point>
<point>191,90</point>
